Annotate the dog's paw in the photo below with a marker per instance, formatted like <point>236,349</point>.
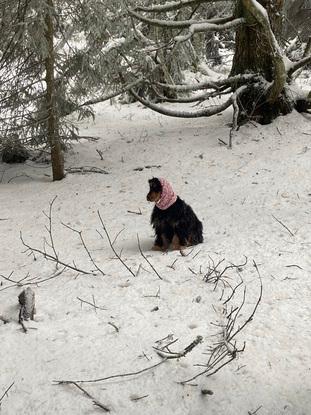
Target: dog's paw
<point>157,248</point>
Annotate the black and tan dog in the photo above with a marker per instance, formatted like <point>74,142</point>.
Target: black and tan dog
<point>174,222</point>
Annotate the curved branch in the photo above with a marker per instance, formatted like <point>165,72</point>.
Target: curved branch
<point>209,27</point>
<point>172,5</point>
<point>297,65</point>
<point>178,24</point>
<point>205,112</point>
<point>231,81</point>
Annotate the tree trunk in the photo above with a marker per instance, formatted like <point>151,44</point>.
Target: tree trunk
<point>57,157</point>
<point>257,50</point>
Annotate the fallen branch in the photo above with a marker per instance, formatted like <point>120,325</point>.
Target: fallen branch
<point>167,354</point>
<point>225,350</point>
<point>281,223</point>
<point>122,375</point>
<point>86,169</point>
<point>52,257</point>
<point>85,247</point>
<point>147,260</point>
<point>6,392</point>
<point>95,401</point>
<point>111,244</point>
<point>91,304</point>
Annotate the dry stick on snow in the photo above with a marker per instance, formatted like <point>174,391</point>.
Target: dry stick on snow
<point>111,244</point>
<point>86,169</point>
<point>135,213</point>
<point>6,393</point>
<point>49,229</point>
<point>224,351</point>
<point>95,401</point>
<point>85,247</point>
<point>114,326</point>
<point>167,354</point>
<point>122,375</point>
<point>146,259</point>
<point>36,282</point>
<point>281,223</point>
<point>52,257</point>
<point>91,304</point>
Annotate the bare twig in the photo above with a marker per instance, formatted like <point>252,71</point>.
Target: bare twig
<point>86,169</point>
<point>85,247</point>
<point>135,213</point>
<point>6,392</point>
<point>111,245</point>
<point>91,304</point>
<point>281,223</point>
<point>49,230</point>
<point>147,260</point>
<point>95,401</point>
<point>176,355</point>
<point>121,375</point>
<point>52,257</point>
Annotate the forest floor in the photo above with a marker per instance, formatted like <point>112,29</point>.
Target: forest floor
<point>254,202</point>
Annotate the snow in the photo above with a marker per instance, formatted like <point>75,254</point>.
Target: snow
<point>245,197</point>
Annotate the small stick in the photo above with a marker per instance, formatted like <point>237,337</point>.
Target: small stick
<point>114,326</point>
<point>122,375</point>
<point>135,213</point>
<point>91,304</point>
<point>85,247</point>
<point>139,397</point>
<point>52,258</point>
<point>146,259</point>
<point>111,245</point>
<point>95,401</point>
<point>281,223</point>
<point>6,392</point>
<point>293,265</point>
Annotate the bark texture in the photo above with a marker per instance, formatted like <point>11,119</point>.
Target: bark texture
<point>57,157</point>
<point>257,50</point>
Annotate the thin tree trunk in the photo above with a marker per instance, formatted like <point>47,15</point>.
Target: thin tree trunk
<point>57,158</point>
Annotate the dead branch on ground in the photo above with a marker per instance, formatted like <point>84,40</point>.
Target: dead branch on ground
<point>96,402</point>
<point>147,260</point>
<point>121,375</point>
<point>91,304</point>
<point>49,230</point>
<point>85,170</point>
<point>52,258</point>
<point>85,247</point>
<point>166,353</point>
<point>6,393</point>
<point>111,244</point>
<point>225,350</point>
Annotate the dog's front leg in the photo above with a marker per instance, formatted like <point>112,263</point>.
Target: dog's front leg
<point>161,243</point>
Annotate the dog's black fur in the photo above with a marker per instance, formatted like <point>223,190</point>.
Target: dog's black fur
<point>178,225</point>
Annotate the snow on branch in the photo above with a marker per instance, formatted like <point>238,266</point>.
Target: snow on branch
<point>205,112</point>
<point>233,80</point>
<point>294,66</point>
<point>208,27</point>
<point>178,24</point>
<point>172,5</point>
<point>194,26</point>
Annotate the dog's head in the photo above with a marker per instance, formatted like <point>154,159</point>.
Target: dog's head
<point>155,190</point>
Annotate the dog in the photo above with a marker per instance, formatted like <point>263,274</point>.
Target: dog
<point>174,222</point>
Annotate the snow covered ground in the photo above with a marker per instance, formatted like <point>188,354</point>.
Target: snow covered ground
<point>254,201</point>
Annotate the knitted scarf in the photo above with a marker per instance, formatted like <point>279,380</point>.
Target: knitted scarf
<point>168,196</point>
